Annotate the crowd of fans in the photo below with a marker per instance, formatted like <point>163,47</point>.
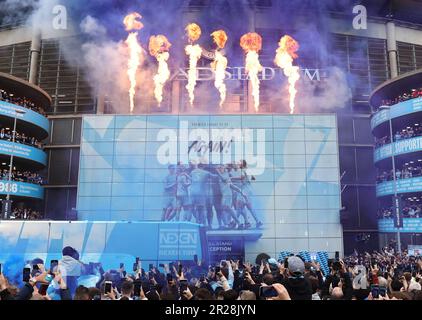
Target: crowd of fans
<point>7,134</point>
<point>25,214</point>
<point>21,176</point>
<point>413,94</point>
<point>20,101</point>
<point>377,276</point>
<point>408,133</point>
<point>406,172</point>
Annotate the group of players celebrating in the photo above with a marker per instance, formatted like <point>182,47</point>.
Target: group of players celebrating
<point>202,189</point>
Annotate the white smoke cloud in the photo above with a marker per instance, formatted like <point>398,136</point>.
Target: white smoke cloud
<point>90,26</point>
<point>331,93</point>
<point>106,68</point>
<point>43,16</point>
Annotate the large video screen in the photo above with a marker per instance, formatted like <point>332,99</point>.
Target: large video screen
<point>276,176</point>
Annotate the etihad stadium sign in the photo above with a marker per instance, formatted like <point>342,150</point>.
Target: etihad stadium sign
<point>239,73</point>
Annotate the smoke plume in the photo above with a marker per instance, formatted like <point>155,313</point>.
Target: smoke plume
<point>99,46</point>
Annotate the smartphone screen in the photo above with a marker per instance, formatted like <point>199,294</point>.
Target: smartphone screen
<point>53,265</point>
<point>373,262</point>
<point>107,287</point>
<point>268,292</point>
<point>180,269</point>
<point>49,278</point>
<point>137,288</point>
<point>183,285</point>
<point>43,289</point>
<point>26,274</point>
<point>337,256</point>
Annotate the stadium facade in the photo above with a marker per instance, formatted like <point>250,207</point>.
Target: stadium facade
<point>369,57</point>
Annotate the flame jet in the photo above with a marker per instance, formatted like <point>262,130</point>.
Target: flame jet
<point>251,43</point>
<point>194,52</point>
<point>285,55</point>
<point>219,64</point>
<point>135,50</point>
<point>159,47</point>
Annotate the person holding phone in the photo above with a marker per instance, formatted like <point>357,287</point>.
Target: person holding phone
<point>25,293</point>
<point>276,292</point>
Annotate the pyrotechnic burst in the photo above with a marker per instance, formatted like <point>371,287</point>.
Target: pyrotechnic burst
<point>159,47</point>
<point>131,22</point>
<point>135,50</point>
<point>220,38</point>
<point>193,32</point>
<point>286,53</point>
<point>220,64</point>
<point>194,52</point>
<point>251,43</point>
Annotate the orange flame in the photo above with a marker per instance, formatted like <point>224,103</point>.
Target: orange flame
<point>251,43</point>
<point>158,48</point>
<point>220,38</point>
<point>193,32</point>
<point>131,22</point>
<point>135,50</point>
<point>158,44</point>
<point>286,53</point>
<point>194,52</point>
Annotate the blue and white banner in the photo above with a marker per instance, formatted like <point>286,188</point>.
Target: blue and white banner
<point>108,242</point>
<point>260,176</point>
<point>21,189</point>
<point>380,117</point>
<point>410,225</point>
<point>397,110</point>
<point>8,110</point>
<point>400,147</point>
<point>403,186</point>
<point>23,151</point>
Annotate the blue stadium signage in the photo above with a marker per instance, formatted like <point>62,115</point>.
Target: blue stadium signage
<point>8,110</point>
<point>23,151</point>
<point>21,189</point>
<point>403,186</point>
<point>410,225</point>
<point>400,147</point>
